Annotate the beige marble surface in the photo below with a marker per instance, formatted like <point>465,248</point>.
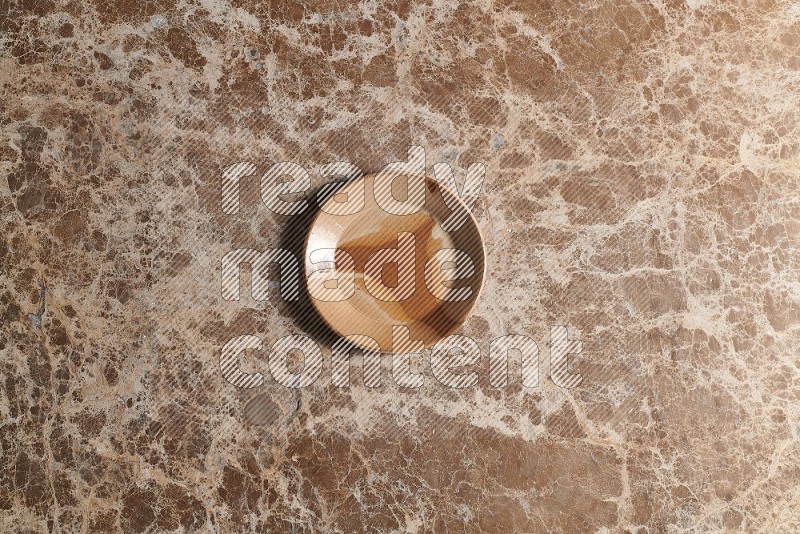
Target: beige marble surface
<point>642,171</point>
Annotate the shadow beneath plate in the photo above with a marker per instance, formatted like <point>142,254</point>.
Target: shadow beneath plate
<point>302,311</point>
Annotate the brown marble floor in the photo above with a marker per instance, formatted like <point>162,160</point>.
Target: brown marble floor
<point>642,171</point>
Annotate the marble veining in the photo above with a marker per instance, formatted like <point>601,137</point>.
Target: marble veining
<point>642,171</point>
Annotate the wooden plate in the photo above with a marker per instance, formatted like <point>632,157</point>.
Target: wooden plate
<point>376,265</point>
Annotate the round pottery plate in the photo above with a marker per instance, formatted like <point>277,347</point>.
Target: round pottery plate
<point>387,252</point>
